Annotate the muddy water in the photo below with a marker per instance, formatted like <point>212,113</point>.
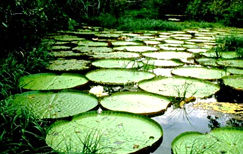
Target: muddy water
<point>175,120</point>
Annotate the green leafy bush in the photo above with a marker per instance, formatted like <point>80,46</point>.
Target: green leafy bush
<point>228,12</point>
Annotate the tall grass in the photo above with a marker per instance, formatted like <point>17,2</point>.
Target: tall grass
<point>231,42</point>
<point>20,132</point>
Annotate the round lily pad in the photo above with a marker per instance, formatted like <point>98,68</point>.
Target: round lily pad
<point>197,50</point>
<point>68,38</point>
<point>111,132</point>
<point>235,81</point>
<point>51,81</point>
<point>60,48</point>
<point>225,54</point>
<point>171,48</point>
<point>151,42</point>
<point>125,43</point>
<point>179,87</point>
<point>232,108</point>
<point>207,61</point>
<point>117,63</point>
<point>163,63</point>
<point>220,140</point>
<point>85,49</point>
<point>64,54</point>
<point>233,70</point>
<point>107,35</point>
<point>231,63</point>
<point>174,41</point>
<point>92,44</point>
<point>136,48</point>
<point>118,76</point>
<point>68,65</point>
<point>54,105</point>
<point>168,55</point>
<point>136,102</point>
<point>116,55</point>
<point>200,72</point>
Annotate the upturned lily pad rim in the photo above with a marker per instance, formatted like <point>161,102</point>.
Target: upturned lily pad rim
<point>179,77</point>
<point>116,113</point>
<point>143,93</point>
<point>232,77</point>
<point>118,69</point>
<point>200,134</point>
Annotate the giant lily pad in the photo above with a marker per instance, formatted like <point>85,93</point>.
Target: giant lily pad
<point>116,55</point>
<point>225,54</point>
<point>85,49</point>
<point>231,63</point>
<point>60,48</point>
<point>67,38</point>
<point>163,63</point>
<point>168,55</point>
<point>136,102</point>
<point>92,44</point>
<point>112,132</point>
<point>125,43</point>
<point>51,81</point>
<point>233,70</point>
<point>235,81</point>
<point>179,87</point>
<point>68,65</point>
<point>200,72</point>
<point>232,108</point>
<point>207,61</point>
<point>136,48</point>
<point>117,63</point>
<point>64,54</point>
<point>118,76</point>
<point>221,140</point>
<point>54,105</point>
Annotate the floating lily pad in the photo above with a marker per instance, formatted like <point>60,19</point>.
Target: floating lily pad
<point>64,54</point>
<point>60,48</point>
<point>225,55</point>
<point>125,43</point>
<point>168,55</point>
<point>174,41</point>
<point>232,108</point>
<point>199,40</point>
<point>117,63</point>
<point>136,48</point>
<point>51,81</point>
<point>136,102</point>
<point>54,105</point>
<point>164,47</point>
<point>231,63</point>
<point>108,35</point>
<point>118,76</point>
<point>207,61</point>
<point>68,38</point>
<point>235,70</point>
<point>116,132</point>
<point>116,55</point>
<point>85,49</point>
<point>197,50</point>
<point>235,81</point>
<point>163,63</point>
<point>220,140</point>
<point>151,42</point>
<point>200,72</point>
<point>92,44</point>
<point>68,65</point>
<point>178,87</point>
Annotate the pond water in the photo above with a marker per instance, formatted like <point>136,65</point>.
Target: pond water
<point>159,53</point>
